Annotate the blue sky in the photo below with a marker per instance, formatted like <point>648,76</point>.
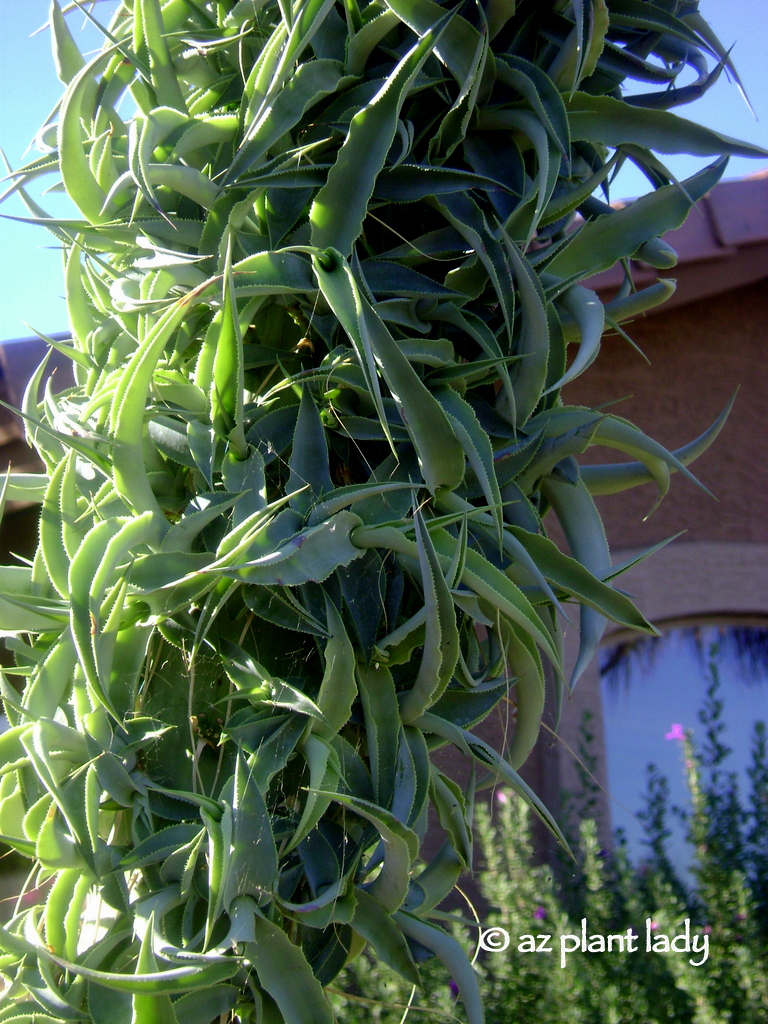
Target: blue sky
<point>30,270</point>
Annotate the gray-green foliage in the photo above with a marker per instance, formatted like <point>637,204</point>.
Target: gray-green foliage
<point>321,290</point>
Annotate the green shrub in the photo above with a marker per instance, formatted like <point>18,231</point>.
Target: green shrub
<point>321,290</point>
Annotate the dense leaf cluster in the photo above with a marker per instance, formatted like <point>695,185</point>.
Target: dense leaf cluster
<point>321,288</point>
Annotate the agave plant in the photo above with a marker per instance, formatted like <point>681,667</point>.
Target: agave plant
<point>321,279</point>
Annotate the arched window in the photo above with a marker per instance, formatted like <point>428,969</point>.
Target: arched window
<point>699,585</point>
<point>656,690</point>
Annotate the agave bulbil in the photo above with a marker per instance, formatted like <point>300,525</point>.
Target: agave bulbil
<point>322,276</point>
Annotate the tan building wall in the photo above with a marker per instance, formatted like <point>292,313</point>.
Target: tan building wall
<point>700,354</point>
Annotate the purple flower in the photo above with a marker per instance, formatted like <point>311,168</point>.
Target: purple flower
<point>540,913</point>
<point>501,797</point>
<point>675,733</point>
<point>454,988</point>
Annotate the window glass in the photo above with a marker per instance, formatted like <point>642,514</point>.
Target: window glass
<point>653,691</point>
